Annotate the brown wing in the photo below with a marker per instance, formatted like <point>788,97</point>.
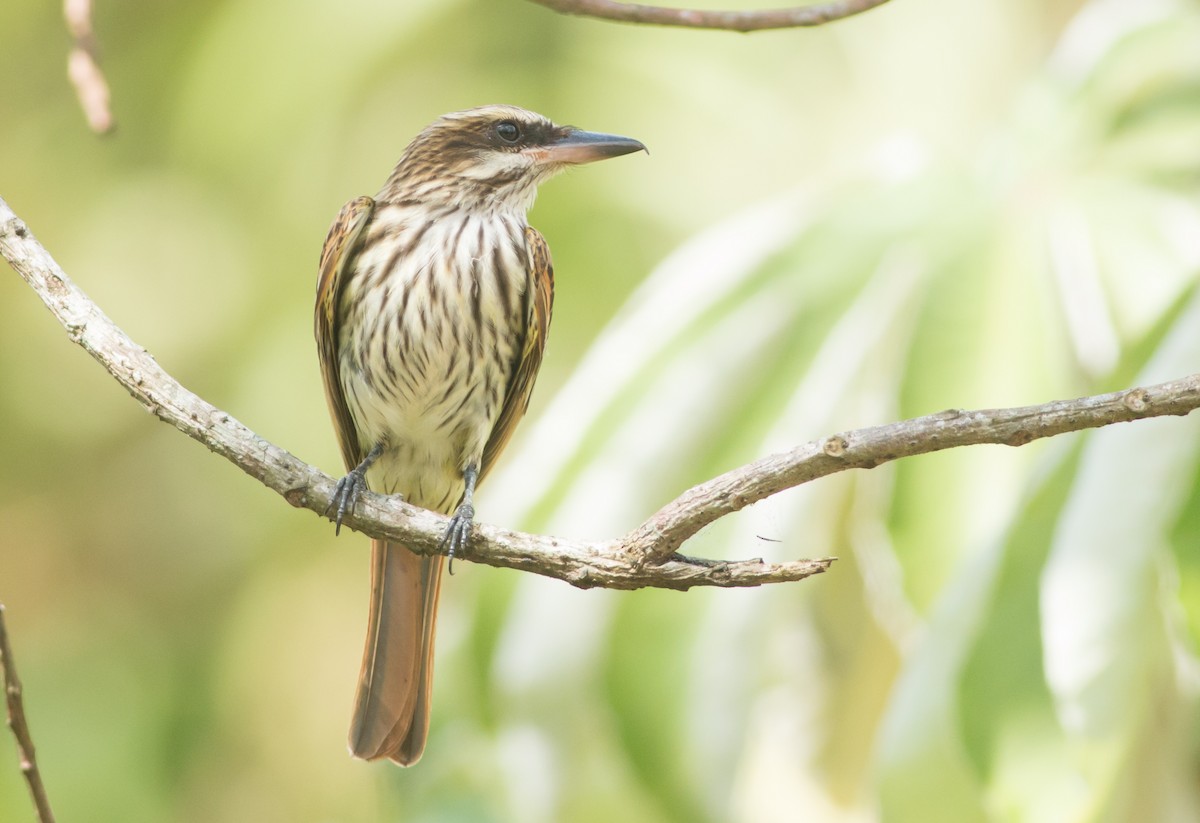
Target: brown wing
<point>337,257</point>
<point>520,385</point>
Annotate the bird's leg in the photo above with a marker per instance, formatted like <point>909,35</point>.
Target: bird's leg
<point>459,530</point>
<point>350,487</point>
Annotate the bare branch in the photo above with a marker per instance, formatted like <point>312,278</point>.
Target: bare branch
<point>20,727</point>
<point>582,564</point>
<point>742,21</point>
<point>83,67</point>
<point>644,557</point>
<point>867,448</point>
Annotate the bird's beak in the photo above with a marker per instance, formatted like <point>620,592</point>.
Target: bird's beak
<point>577,147</point>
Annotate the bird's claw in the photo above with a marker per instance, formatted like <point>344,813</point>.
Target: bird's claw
<point>345,496</point>
<point>350,488</point>
<point>458,532</point>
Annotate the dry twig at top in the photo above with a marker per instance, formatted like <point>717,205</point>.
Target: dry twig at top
<point>83,67</point>
<point>739,21</point>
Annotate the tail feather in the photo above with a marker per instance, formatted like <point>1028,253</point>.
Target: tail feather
<point>391,709</point>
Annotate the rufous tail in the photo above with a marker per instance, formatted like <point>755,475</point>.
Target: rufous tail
<point>391,709</point>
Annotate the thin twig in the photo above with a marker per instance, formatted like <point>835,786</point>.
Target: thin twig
<point>867,448</point>
<point>644,557</point>
<point>83,67</point>
<point>20,727</point>
<point>741,21</point>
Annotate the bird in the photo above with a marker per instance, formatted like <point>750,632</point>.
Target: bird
<point>432,311</point>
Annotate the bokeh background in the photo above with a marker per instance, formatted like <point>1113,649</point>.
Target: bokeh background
<point>936,204</point>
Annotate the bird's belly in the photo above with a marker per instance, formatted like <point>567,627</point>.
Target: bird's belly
<point>432,424</point>
<point>433,402</point>
<point>428,349</point>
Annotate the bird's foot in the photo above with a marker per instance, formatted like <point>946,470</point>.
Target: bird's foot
<point>458,532</point>
<point>345,495</point>
<point>349,489</point>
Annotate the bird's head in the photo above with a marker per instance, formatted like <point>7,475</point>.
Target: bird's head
<point>493,158</point>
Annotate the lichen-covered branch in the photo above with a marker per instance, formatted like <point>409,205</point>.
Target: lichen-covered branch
<point>606,564</point>
<point>647,556</point>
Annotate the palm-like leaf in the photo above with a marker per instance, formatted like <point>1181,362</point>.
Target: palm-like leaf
<point>1002,637</point>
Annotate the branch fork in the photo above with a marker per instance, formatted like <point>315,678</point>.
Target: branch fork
<point>646,556</point>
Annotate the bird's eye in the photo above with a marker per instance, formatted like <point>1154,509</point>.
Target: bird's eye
<point>508,131</point>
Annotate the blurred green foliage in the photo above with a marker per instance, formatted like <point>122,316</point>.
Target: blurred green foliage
<point>933,205</point>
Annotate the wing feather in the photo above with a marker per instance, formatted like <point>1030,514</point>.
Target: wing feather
<point>337,258</point>
<point>520,385</point>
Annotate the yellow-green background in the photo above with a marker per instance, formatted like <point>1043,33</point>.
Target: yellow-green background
<point>937,204</point>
